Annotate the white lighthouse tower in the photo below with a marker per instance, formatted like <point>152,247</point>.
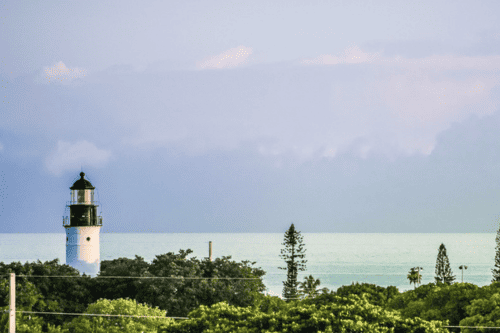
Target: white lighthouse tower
<point>82,228</point>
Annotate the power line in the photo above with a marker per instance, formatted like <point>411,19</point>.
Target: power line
<point>139,277</point>
<point>160,277</point>
<point>94,314</point>
<point>470,327</point>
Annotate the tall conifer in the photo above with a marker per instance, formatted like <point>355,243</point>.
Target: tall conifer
<point>496,270</point>
<point>443,269</point>
<point>293,254</point>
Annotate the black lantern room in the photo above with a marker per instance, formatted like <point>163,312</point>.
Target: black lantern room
<point>83,207</point>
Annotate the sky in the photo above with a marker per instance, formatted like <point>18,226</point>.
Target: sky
<point>224,116</point>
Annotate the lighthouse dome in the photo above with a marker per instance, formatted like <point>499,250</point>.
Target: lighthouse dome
<point>82,184</point>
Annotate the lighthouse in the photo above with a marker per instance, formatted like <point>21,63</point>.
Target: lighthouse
<point>82,228</point>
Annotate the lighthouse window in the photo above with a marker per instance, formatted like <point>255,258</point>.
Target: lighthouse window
<point>88,239</point>
<point>81,196</point>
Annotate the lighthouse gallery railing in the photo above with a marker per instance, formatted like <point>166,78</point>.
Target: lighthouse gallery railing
<point>66,221</point>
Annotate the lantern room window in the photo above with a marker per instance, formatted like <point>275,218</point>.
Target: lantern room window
<point>82,197</point>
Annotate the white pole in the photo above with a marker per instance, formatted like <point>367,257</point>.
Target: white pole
<point>12,316</point>
<point>210,250</point>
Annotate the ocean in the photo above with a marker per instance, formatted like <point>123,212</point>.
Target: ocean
<point>336,259</point>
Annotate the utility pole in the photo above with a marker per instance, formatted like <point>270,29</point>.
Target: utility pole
<point>462,267</point>
<point>12,313</point>
<point>210,250</point>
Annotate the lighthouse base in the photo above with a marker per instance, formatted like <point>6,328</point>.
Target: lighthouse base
<point>82,249</point>
<point>90,269</point>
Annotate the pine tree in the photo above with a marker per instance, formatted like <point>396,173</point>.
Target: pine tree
<point>496,270</point>
<point>443,269</point>
<point>293,254</point>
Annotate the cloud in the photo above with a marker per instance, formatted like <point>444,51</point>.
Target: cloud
<point>391,106</point>
<point>441,63</point>
<point>231,58</point>
<point>351,55</point>
<point>415,98</point>
<point>68,156</point>
<point>59,73</point>
<point>425,96</point>
<point>1,146</point>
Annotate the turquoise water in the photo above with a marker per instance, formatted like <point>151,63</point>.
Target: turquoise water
<point>335,258</point>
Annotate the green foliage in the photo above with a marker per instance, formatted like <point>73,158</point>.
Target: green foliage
<point>27,298</point>
<point>269,304</point>
<point>409,303</point>
<point>482,312</point>
<point>240,291</point>
<point>414,276</point>
<point>61,294</point>
<point>99,324</point>
<point>293,254</point>
<point>483,309</point>
<point>344,314</point>
<point>322,299</point>
<point>56,329</point>
<point>179,296</point>
<point>309,288</point>
<point>443,269</point>
<point>437,302</point>
<point>376,295</point>
<point>489,290</point>
<point>496,270</point>
<point>111,288</point>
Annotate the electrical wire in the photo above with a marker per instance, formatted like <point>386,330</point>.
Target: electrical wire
<point>100,315</point>
<point>140,277</point>
<point>94,314</point>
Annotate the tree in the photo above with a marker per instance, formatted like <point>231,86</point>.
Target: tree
<point>293,254</point>
<point>443,269</point>
<point>100,324</point>
<point>242,291</point>
<point>438,301</point>
<point>414,276</point>
<point>238,283</point>
<point>376,295</point>
<point>482,312</point>
<point>113,288</point>
<point>344,314</point>
<point>308,288</point>
<point>496,270</point>
<point>61,294</point>
<point>27,299</point>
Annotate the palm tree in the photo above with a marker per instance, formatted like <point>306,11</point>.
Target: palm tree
<point>414,276</point>
<point>462,267</point>
<point>308,288</point>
